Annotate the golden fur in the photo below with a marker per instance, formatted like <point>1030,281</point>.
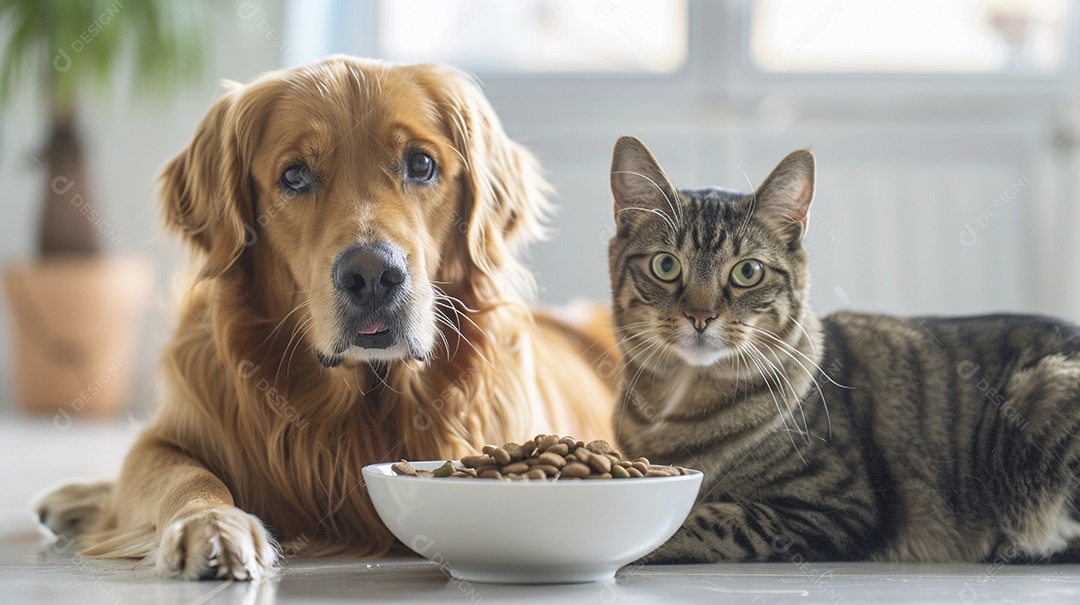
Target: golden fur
<point>252,421</point>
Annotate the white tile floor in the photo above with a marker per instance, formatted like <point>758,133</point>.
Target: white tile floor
<point>35,454</point>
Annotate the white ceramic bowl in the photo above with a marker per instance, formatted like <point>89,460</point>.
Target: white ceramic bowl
<point>530,532</point>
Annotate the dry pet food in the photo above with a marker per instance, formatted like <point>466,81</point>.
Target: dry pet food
<point>547,457</point>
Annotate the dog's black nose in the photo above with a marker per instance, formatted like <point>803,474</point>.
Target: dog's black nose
<point>371,275</point>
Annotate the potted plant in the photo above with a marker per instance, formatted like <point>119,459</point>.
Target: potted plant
<point>76,309</point>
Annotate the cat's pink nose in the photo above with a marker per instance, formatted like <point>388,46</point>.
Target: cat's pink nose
<point>700,318</point>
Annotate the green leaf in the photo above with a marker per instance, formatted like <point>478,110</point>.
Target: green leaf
<point>65,45</point>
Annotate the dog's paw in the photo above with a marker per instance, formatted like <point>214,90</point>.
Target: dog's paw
<point>220,542</point>
<point>71,509</point>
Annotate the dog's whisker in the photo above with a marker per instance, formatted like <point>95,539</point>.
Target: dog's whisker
<point>442,319</point>
<point>462,337</point>
<point>375,367</point>
<point>459,313</point>
<point>450,302</point>
<point>441,294</point>
<point>281,323</point>
<point>301,336</point>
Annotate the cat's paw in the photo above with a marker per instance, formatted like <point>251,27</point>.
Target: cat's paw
<point>681,548</point>
<point>221,542</point>
<point>71,509</point>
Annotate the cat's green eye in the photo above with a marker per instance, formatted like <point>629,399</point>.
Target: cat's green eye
<point>666,267</point>
<point>748,273</point>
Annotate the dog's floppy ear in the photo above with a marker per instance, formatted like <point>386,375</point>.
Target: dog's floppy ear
<point>206,189</point>
<point>506,202</point>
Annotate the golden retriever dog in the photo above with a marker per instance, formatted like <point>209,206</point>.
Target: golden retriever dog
<point>358,300</point>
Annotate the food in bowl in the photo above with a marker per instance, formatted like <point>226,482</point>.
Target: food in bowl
<point>546,457</point>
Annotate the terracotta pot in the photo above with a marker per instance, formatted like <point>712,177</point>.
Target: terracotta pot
<point>75,324</point>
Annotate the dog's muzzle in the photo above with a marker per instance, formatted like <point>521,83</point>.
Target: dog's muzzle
<point>373,281</point>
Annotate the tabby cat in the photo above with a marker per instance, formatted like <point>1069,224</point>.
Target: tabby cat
<point>849,437</point>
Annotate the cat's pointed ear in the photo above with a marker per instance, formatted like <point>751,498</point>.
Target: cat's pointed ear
<point>784,198</point>
<point>637,180</point>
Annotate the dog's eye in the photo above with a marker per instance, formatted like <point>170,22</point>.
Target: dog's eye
<point>420,167</point>
<point>297,179</point>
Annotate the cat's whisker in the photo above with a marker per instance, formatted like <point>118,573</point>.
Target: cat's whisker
<point>738,360</point>
<point>633,345</point>
<point>749,373</point>
<point>665,352</point>
<point>753,205</point>
<point>649,344</point>
<point>633,326</point>
<point>654,344</point>
<point>753,356</point>
<point>790,351</point>
<point>644,339</point>
<point>648,352</point>
<point>788,346</point>
<point>670,222</point>
<point>751,350</point>
<point>675,209</point>
<point>779,374</point>
<point>787,349</point>
<point>632,384</point>
<point>797,396</point>
<point>813,346</point>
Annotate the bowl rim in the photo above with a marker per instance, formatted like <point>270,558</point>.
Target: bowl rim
<point>376,470</point>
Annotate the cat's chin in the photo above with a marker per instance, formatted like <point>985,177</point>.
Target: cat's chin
<point>704,356</point>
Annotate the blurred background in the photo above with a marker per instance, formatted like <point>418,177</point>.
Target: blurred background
<point>946,135</point>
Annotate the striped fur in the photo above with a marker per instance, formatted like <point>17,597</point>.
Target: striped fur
<point>850,437</point>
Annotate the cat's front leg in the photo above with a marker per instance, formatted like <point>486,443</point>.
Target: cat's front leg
<point>728,532</point>
<point>721,532</point>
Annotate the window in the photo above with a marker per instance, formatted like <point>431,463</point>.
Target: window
<point>1014,37</point>
<point>519,37</point>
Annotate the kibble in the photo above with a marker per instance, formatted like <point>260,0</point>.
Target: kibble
<point>576,470</point>
<point>515,451</point>
<point>552,459</point>
<point>477,461</point>
<point>546,457</point>
<point>499,454</point>
<point>519,467</point>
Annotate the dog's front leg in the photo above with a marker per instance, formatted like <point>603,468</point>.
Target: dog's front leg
<point>200,533</point>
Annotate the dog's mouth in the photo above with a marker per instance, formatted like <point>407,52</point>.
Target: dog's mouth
<point>374,335</point>
<point>382,339</point>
